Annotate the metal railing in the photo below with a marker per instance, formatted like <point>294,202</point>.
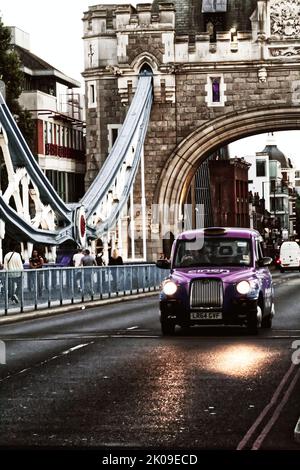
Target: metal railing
<point>35,289</point>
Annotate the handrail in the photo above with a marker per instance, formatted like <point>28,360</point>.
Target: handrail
<point>34,289</point>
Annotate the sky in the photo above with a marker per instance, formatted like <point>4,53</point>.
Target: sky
<point>287,141</point>
<point>56,30</point>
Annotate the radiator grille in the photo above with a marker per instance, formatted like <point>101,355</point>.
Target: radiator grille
<point>206,293</point>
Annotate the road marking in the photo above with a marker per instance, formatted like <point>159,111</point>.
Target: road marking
<point>46,361</point>
<point>267,408</point>
<point>179,336</point>
<point>257,444</point>
<point>79,346</point>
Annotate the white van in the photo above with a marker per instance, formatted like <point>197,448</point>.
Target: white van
<point>289,256</point>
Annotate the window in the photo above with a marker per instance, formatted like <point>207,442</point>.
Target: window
<point>113,131</point>
<point>46,132</point>
<point>67,137</point>
<point>213,252</point>
<point>49,133</point>
<point>277,204</point>
<point>92,98</point>
<point>260,168</point>
<point>215,89</point>
<point>70,186</point>
<point>211,6</point>
<point>92,90</point>
<point>58,134</point>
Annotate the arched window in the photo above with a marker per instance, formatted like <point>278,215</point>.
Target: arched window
<point>146,68</point>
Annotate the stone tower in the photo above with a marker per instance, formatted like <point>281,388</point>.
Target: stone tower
<point>192,16</point>
<point>222,70</point>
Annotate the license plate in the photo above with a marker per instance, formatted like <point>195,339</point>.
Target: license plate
<point>206,315</point>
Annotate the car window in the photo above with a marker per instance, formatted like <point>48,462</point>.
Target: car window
<point>214,251</point>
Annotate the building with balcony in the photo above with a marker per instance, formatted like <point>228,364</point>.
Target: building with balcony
<point>272,179</point>
<point>56,108</point>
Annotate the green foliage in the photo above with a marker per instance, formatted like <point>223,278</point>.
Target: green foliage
<point>26,124</point>
<point>13,77</point>
<point>10,69</point>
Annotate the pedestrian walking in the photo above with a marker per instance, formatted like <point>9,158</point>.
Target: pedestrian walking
<point>77,263</point>
<point>87,262</point>
<point>114,261</point>
<point>13,263</point>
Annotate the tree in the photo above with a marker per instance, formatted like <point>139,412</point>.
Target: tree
<point>11,74</point>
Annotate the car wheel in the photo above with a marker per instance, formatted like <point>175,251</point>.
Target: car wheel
<point>252,327</point>
<point>282,270</point>
<point>254,321</point>
<point>267,322</point>
<point>167,327</point>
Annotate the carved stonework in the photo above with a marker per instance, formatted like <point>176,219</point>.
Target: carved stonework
<point>284,51</point>
<point>114,70</point>
<point>285,18</point>
<point>262,74</point>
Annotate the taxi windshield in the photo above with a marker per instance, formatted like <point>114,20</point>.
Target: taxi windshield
<point>213,251</point>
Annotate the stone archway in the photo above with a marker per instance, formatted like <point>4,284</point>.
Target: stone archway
<point>197,146</point>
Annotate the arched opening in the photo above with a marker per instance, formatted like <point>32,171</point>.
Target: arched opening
<point>146,69</point>
<point>174,189</point>
<point>183,163</point>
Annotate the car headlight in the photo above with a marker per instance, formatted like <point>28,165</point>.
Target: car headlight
<point>169,288</point>
<point>243,287</point>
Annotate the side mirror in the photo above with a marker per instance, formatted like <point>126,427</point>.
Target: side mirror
<point>163,264</point>
<point>265,261</point>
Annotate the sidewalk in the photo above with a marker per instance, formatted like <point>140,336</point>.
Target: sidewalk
<point>32,315</point>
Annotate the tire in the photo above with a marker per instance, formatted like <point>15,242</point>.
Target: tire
<point>253,324</point>
<point>252,327</point>
<point>282,270</point>
<point>167,327</point>
<point>267,321</point>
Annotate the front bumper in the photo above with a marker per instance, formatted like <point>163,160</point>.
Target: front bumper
<point>236,312</point>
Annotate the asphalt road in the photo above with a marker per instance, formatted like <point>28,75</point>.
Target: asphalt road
<point>105,377</point>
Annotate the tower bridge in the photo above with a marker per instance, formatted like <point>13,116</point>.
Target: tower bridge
<point>222,70</point>
<point>219,71</point>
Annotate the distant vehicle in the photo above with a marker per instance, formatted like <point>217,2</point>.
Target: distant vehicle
<point>217,276</point>
<point>289,256</point>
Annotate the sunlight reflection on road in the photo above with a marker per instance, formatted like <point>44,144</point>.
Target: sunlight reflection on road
<point>240,360</point>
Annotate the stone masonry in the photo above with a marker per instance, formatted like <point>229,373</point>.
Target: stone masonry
<point>257,71</point>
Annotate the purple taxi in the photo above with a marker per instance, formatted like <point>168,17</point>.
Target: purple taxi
<point>217,276</point>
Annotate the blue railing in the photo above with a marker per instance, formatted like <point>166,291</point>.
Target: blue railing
<point>35,289</point>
